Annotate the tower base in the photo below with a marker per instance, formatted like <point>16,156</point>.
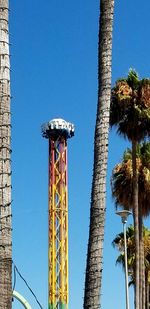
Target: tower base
<point>58,306</point>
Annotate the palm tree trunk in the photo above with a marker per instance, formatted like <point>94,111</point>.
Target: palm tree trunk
<point>97,213</point>
<point>5,164</point>
<point>147,290</point>
<point>136,223</point>
<point>143,279</point>
<point>141,262</point>
<point>148,293</point>
<point>134,297</point>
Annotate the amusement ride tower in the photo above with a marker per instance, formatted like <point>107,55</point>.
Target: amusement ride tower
<point>58,131</point>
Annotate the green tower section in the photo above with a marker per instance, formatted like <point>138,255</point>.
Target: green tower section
<point>58,306</point>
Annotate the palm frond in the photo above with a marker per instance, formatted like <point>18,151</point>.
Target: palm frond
<point>133,79</point>
<point>119,244</point>
<point>131,282</point>
<point>122,179</point>
<point>130,107</point>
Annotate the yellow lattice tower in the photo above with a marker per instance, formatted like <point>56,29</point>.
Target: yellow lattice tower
<point>58,131</point>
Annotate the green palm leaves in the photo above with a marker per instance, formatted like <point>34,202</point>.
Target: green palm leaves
<point>118,243</point>
<point>122,179</point>
<point>130,107</point>
<point>130,114</point>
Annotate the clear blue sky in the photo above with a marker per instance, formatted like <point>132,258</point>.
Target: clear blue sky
<point>54,74</point>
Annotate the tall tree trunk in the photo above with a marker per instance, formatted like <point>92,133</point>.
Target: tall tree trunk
<point>5,164</point>
<point>136,223</point>
<point>141,262</point>
<point>147,290</point>
<point>140,259</point>
<point>143,279</point>
<point>134,295</point>
<point>97,212</point>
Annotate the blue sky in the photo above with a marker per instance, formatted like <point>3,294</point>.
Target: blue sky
<point>54,74</point>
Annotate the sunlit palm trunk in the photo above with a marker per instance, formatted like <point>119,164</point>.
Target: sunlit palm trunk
<point>141,262</point>
<point>143,280</point>
<point>5,164</point>
<point>147,291</point>
<point>98,195</point>
<point>136,223</point>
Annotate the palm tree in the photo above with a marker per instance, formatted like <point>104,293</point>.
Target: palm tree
<point>122,191</point>
<point>5,163</point>
<point>130,113</point>
<point>118,243</point>
<point>97,212</point>
<point>122,179</point>
<point>147,272</point>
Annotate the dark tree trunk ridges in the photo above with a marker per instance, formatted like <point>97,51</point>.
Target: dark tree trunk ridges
<point>136,222</point>
<point>97,213</point>
<point>5,163</point>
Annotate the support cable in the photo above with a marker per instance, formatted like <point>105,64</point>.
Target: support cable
<point>18,272</point>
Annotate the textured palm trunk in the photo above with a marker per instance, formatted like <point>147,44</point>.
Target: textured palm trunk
<point>97,212</point>
<point>147,290</point>
<point>141,262</point>
<point>148,295</point>
<point>5,163</point>
<point>134,295</point>
<point>143,279</point>
<point>136,223</point>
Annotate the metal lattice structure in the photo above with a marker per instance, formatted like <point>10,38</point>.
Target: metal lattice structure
<point>58,131</point>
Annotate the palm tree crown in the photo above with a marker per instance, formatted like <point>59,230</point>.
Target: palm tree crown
<point>122,179</point>
<point>118,243</point>
<point>130,107</point>
<point>130,113</point>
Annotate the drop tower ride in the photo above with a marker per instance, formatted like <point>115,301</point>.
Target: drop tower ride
<point>57,131</point>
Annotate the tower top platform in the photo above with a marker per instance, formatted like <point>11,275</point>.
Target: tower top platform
<point>58,127</point>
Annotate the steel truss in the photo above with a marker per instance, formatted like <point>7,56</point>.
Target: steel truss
<point>58,223</point>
